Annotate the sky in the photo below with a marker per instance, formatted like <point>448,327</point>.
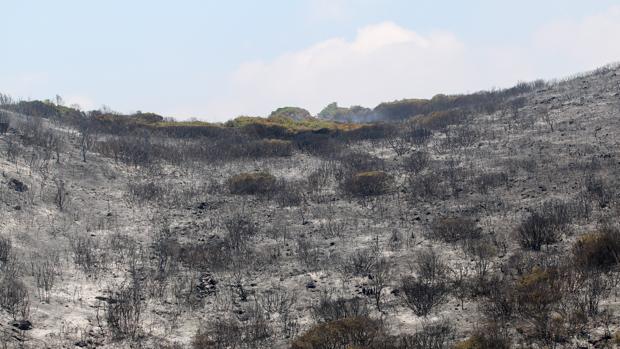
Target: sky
<point>214,60</point>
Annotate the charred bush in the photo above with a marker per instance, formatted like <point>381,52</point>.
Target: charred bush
<point>6,245</point>
<point>269,148</point>
<point>318,144</point>
<point>429,288</point>
<point>487,181</point>
<point>455,228</point>
<point>145,191</point>
<point>418,135</point>
<point>330,309</point>
<point>355,161</point>
<point>599,250</point>
<point>369,183</point>
<point>489,339</point>
<point>219,334</point>
<point>240,228</point>
<point>426,187</point>
<point>432,335</point>
<point>353,332</point>
<point>124,310</point>
<point>544,225</point>
<point>14,297</point>
<point>288,194</point>
<point>360,263</point>
<point>417,162</point>
<point>252,183</point>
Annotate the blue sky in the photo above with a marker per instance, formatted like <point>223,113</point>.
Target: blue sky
<point>214,60</point>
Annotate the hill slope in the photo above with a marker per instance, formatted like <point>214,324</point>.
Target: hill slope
<point>465,223</point>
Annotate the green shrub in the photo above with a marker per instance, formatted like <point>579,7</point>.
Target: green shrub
<point>368,183</point>
<point>252,183</point>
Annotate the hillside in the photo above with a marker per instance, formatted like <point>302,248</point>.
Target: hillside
<point>478,221</point>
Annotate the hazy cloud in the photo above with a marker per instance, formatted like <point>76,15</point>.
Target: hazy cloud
<point>387,61</point>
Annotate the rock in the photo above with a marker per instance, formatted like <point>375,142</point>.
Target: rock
<point>17,185</point>
<point>202,206</point>
<point>23,325</point>
<point>206,285</point>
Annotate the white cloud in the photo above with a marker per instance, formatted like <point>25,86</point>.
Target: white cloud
<point>579,44</point>
<point>85,103</point>
<point>386,61</point>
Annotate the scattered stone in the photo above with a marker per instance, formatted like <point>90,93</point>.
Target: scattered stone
<point>23,325</point>
<point>17,185</point>
<point>206,285</point>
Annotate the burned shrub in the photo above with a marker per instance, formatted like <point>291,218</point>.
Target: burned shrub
<point>418,135</point>
<point>429,288</point>
<point>537,296</point>
<point>330,309</point>
<point>356,161</point>
<point>369,183</point>
<point>240,228</point>
<point>124,311</point>
<point>269,148</point>
<point>288,194</point>
<point>252,183</point>
<point>487,181</point>
<point>14,297</point>
<point>432,335</point>
<point>421,295</point>
<point>353,332</point>
<point>145,191</point>
<point>599,190</point>
<point>490,339</point>
<point>427,187</point>
<point>218,335</point>
<point>417,162</point>
<point>211,255</point>
<point>599,250</point>
<point>318,144</point>
<point>85,254</point>
<point>453,229</point>
<point>6,246</point>
<point>361,262</point>
<point>4,126</point>
<point>544,225</point>
<point>500,303</point>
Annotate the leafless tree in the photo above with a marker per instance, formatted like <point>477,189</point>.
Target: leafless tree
<point>379,279</point>
<point>429,287</point>
<point>61,196</point>
<point>86,138</point>
<point>14,297</point>
<point>124,310</point>
<point>417,162</point>
<point>45,270</point>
